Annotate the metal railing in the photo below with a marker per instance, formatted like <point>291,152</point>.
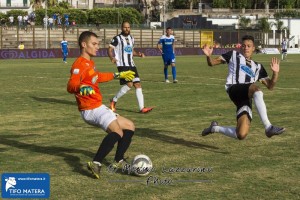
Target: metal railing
<point>36,37</point>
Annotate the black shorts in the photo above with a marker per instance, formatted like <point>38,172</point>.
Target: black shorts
<point>238,94</point>
<point>136,76</point>
<point>284,50</point>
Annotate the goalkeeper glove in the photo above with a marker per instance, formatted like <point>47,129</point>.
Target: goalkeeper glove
<point>127,75</point>
<point>86,90</point>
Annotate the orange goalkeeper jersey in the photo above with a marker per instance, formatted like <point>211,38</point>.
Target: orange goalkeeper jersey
<point>83,73</point>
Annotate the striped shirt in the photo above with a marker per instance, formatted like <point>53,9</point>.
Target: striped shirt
<point>241,70</point>
<point>284,45</point>
<point>123,49</point>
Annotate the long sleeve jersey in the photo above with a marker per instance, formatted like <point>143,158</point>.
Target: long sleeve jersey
<point>83,73</point>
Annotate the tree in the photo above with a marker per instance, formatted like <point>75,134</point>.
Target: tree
<point>288,4</point>
<point>36,4</point>
<point>180,4</point>
<point>280,27</point>
<point>267,5</point>
<point>265,27</point>
<point>244,23</point>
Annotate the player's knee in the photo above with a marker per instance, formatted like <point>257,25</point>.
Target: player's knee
<point>130,125</point>
<point>130,84</point>
<point>137,85</point>
<point>241,135</point>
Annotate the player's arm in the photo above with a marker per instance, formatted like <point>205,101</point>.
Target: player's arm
<point>270,83</point>
<point>159,46</point>
<point>111,54</point>
<point>214,61</point>
<point>139,54</point>
<point>112,46</point>
<point>74,82</point>
<point>105,76</point>
<point>173,45</point>
<point>207,50</point>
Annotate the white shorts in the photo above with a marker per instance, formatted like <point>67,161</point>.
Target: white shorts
<point>99,117</point>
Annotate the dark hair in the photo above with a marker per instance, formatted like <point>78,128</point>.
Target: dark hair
<point>248,37</point>
<point>84,36</point>
<point>124,22</point>
<point>168,28</point>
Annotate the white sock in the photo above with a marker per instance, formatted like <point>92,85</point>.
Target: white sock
<point>261,108</point>
<point>96,162</point>
<point>228,131</point>
<point>124,89</point>
<point>140,97</point>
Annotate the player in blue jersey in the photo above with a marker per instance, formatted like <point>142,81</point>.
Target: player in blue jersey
<point>64,49</point>
<point>166,46</point>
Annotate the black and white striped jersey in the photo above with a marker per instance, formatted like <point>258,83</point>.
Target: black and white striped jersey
<point>123,49</point>
<point>241,70</point>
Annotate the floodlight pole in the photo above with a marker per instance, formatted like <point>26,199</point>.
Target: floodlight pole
<point>46,33</point>
<point>164,14</point>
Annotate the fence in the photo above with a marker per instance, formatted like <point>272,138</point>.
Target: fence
<point>37,37</point>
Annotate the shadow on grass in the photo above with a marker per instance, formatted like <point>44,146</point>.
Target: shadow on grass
<point>53,100</point>
<point>65,153</point>
<point>156,135</point>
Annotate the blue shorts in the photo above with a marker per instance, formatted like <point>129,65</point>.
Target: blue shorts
<point>168,58</point>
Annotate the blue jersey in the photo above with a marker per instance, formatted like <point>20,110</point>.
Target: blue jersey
<point>64,46</point>
<point>167,44</point>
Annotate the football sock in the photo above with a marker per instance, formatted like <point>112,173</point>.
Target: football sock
<point>123,144</point>
<point>140,97</point>
<point>261,108</point>
<point>124,89</point>
<point>96,162</point>
<point>166,72</point>
<point>228,131</point>
<point>174,72</point>
<point>106,146</point>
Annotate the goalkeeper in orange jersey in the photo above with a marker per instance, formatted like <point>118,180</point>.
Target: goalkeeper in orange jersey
<point>83,83</point>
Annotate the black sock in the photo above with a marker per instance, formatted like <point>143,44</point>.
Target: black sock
<point>123,144</point>
<point>106,146</point>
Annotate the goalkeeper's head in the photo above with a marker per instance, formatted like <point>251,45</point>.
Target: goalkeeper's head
<point>88,43</point>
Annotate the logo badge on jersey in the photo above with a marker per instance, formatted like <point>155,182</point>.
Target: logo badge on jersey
<point>76,71</point>
<point>247,70</point>
<point>128,49</point>
<point>94,79</point>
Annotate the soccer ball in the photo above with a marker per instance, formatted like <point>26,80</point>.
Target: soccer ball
<point>141,165</point>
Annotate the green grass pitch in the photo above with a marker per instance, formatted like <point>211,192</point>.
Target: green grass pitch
<point>42,131</point>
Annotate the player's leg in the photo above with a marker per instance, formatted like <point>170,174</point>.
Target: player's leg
<point>104,118</point>
<point>123,144</point>
<point>165,69</point>
<point>140,97</point>
<point>126,86</point>
<point>174,73</point>
<point>285,55</point>
<point>257,95</point>
<point>166,74</point>
<point>239,96</point>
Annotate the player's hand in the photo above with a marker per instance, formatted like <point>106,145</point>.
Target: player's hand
<point>142,55</point>
<point>207,50</point>
<point>113,60</point>
<point>275,65</point>
<point>86,90</point>
<point>127,75</point>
